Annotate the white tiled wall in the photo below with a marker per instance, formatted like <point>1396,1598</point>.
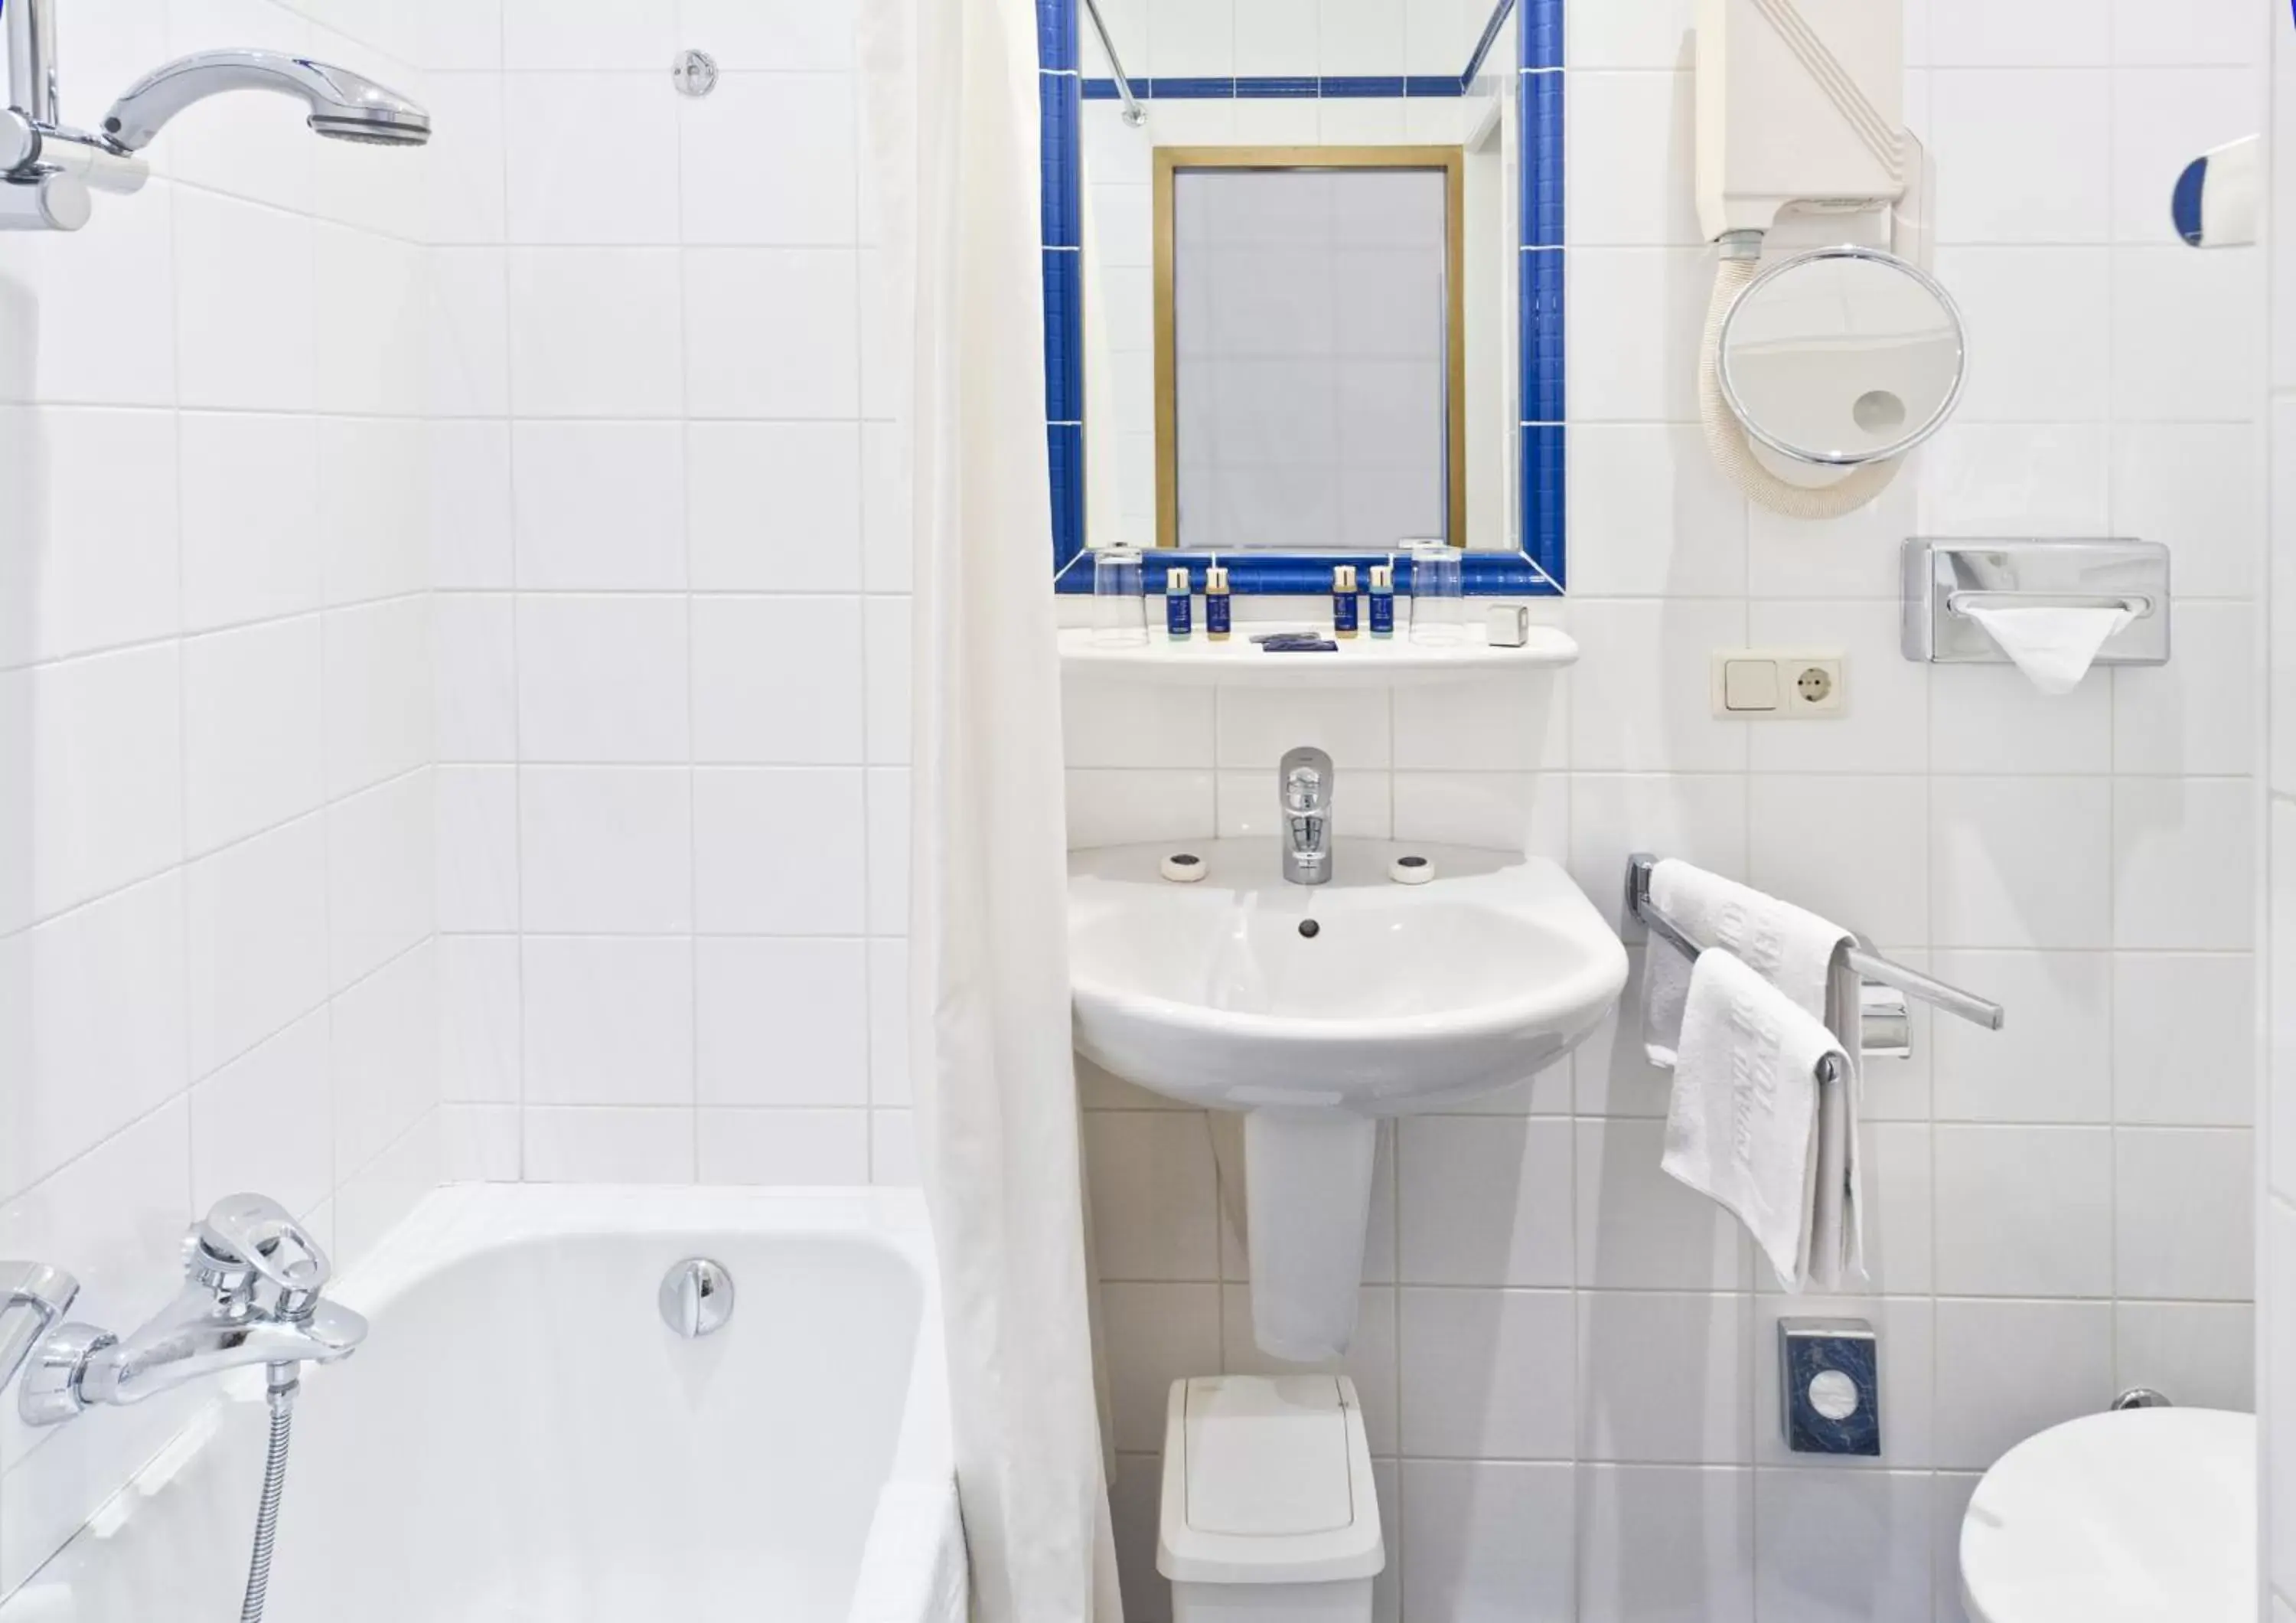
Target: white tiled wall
<point>673,621</point>
<point>2277,1095</point>
<point>1569,1358</point>
<point>217,965</point>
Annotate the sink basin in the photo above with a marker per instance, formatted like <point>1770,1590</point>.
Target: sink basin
<point>1316,1010</point>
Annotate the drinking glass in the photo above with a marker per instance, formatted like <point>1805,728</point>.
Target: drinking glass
<point>1120,599</point>
<point>1439,605</point>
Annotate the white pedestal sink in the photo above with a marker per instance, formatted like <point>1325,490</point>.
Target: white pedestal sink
<point>1315,1011</point>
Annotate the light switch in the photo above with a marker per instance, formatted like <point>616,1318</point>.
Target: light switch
<point>1749,684</point>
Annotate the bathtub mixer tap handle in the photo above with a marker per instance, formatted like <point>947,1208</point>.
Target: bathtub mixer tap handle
<point>252,1295</point>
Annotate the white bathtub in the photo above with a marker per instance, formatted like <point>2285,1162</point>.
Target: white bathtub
<point>522,1439</point>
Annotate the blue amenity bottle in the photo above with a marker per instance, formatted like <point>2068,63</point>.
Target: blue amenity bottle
<point>1383,600</point>
<point>1345,603</point>
<point>1179,605</point>
<point>1218,606</point>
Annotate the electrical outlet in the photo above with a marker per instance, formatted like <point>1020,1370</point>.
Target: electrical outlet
<point>1781,683</point>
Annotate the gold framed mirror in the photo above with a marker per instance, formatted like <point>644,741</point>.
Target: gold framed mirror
<point>1310,336</point>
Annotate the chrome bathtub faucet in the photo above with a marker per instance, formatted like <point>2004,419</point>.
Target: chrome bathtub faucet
<point>253,1280</point>
<point>1304,781</point>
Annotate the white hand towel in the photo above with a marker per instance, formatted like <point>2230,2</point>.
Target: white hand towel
<point>1751,1127</point>
<point>1792,949</point>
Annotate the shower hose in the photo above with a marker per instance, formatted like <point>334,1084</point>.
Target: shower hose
<point>279,1393</point>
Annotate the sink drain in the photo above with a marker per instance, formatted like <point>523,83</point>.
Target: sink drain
<point>1309,928</point>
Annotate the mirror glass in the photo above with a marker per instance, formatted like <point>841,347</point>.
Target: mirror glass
<point>1842,357</point>
<point>1309,371</point>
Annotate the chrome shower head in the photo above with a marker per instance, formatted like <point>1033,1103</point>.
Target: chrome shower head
<point>344,105</point>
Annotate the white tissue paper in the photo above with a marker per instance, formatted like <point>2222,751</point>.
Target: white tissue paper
<point>2055,647</point>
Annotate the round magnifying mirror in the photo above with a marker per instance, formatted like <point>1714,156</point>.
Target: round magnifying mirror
<point>1842,357</point>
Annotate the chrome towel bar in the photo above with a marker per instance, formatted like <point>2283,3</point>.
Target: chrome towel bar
<point>1884,1024</point>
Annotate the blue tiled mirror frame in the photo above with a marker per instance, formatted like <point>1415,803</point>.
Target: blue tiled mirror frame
<point>1538,568</point>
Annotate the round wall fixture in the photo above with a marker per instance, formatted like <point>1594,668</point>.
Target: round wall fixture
<point>1842,357</point>
<point>694,73</point>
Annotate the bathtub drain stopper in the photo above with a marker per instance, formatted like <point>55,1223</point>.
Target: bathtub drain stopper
<point>696,1297</point>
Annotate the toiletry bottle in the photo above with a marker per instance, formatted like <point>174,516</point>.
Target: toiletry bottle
<point>1179,605</point>
<point>1344,601</point>
<point>1216,606</point>
<point>1383,600</point>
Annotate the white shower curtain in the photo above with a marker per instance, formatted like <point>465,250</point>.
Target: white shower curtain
<point>953,118</point>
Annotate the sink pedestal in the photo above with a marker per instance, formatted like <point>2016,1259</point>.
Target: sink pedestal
<point>1307,1181</point>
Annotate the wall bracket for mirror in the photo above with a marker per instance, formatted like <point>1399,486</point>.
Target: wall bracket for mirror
<point>1948,582</point>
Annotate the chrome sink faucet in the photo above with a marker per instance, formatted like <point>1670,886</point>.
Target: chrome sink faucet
<point>1305,781</point>
<point>252,1295</point>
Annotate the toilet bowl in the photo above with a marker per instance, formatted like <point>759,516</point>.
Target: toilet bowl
<point>1269,1511</point>
<point>2146,1516</point>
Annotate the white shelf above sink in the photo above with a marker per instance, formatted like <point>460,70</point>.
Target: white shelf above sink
<point>1361,661</point>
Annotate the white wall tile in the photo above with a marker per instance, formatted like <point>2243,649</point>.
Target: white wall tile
<point>601,505</point>
<point>471,521</point>
<point>1152,1188</point>
<point>573,177</point>
<point>772,332</point>
<point>245,305</point>
<point>1637,1228</point>
<point>250,506</point>
<point>2024,1211</point>
<point>1484,1202</point>
<point>1839,1543</point>
<point>377,662</point>
<point>2176,879</point>
<point>1989,719</point>
<point>1170,1332</point>
<point>474,676</point>
<point>565,362</point>
<point>382,847</point>
<point>372,472</point>
<point>1994,129</point>
<point>744,35</point>
<point>2202,1352</point>
<point>779,681</point>
<point>2046,33</point>
<point>784,1147</point>
<point>257,935</point>
<point>265,1122</point>
<point>2202,31</point>
<point>770,160</point>
<point>2195,486</point>
<point>1120,808</point>
<point>2053,1062</point>
<point>1884,727</point>
<point>1630,153</point>
<point>2164,119</point>
<point>2007,1369</point>
<point>777,506</point>
<point>1640,698</point>
<point>780,850</point>
<point>1489,1540</point>
<point>1662,1379</point>
<point>477,848</point>
<point>2184,1039</point>
<point>2034,316</point>
<point>2020,862</point>
<point>2185,1212</point>
<point>611,1145</point>
<point>98,741</point>
<point>2183,328</point>
<point>606,848</point>
<point>608,1021</point>
<point>95,562</point>
<point>382,1058</point>
<point>480,1019</point>
<point>602,679</point>
<point>92,1004</point>
<point>782,1023</point>
<point>2196,713</point>
<point>1794,850</point>
<point>1665,1542</point>
<point>588,34</point>
<point>1486,1374</point>
<point>253,730</point>
<point>1652,514</point>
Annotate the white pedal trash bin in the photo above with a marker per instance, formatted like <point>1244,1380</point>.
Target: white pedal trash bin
<point>1269,1515</point>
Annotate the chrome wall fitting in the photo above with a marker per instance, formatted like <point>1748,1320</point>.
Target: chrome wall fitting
<point>252,1295</point>
<point>48,167</point>
<point>694,73</point>
<point>2142,1397</point>
<point>696,1297</point>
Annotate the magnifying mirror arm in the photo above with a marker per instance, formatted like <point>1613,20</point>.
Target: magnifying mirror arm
<point>1739,261</point>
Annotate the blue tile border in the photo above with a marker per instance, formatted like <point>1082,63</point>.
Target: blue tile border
<point>1537,569</point>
